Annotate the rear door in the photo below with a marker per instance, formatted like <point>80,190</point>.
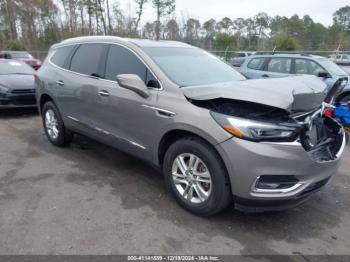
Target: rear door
<point>77,87</point>
<point>277,67</point>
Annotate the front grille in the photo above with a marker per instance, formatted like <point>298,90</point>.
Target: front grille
<point>23,91</point>
<point>314,187</point>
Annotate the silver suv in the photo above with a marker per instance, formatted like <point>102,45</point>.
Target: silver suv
<point>217,137</point>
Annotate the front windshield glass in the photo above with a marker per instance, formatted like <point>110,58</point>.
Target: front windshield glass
<point>8,67</point>
<point>192,66</point>
<point>332,67</point>
<point>20,55</point>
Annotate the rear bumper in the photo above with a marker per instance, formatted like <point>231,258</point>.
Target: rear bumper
<point>9,100</point>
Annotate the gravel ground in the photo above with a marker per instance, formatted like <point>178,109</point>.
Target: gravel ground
<point>92,199</point>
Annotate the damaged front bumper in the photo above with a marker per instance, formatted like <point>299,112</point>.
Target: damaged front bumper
<point>277,175</point>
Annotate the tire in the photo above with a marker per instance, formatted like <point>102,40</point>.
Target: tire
<point>54,127</point>
<point>218,192</point>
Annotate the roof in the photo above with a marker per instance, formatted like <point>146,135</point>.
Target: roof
<point>141,43</point>
<point>288,55</point>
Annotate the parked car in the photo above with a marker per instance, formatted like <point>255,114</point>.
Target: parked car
<point>281,65</point>
<point>216,137</point>
<point>342,59</point>
<point>239,58</point>
<point>21,56</point>
<point>16,84</point>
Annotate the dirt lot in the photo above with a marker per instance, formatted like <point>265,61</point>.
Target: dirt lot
<point>91,199</point>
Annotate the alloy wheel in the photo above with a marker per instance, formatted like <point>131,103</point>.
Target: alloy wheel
<point>191,178</point>
<point>51,124</point>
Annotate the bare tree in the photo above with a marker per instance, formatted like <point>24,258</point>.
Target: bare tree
<point>163,7</point>
<point>139,11</point>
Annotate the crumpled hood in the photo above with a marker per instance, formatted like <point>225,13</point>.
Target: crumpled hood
<point>17,81</point>
<point>294,94</point>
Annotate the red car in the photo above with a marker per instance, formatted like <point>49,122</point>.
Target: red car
<point>21,56</point>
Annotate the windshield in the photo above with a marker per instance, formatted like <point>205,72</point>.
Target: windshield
<point>20,55</point>
<point>192,66</point>
<point>332,67</point>
<point>8,67</point>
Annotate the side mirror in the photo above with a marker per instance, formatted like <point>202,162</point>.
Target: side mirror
<point>324,74</point>
<point>133,83</point>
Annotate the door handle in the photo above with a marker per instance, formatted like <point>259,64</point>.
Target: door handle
<point>103,93</point>
<point>60,82</point>
<point>265,76</point>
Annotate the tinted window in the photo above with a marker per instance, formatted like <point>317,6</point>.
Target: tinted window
<point>256,63</point>
<point>61,55</point>
<point>86,59</point>
<point>122,61</point>
<point>307,67</point>
<point>280,65</point>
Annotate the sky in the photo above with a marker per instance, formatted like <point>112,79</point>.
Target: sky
<point>320,10</point>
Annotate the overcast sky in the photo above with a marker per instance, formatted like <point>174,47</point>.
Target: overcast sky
<point>320,10</point>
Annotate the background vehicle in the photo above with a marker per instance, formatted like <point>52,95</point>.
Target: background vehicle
<point>194,117</point>
<point>239,58</point>
<point>281,65</point>
<point>16,84</point>
<point>21,56</point>
<point>342,59</point>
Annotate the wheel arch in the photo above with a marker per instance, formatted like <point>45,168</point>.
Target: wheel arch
<point>44,98</point>
<point>175,134</point>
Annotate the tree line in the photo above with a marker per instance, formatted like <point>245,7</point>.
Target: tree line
<point>37,24</point>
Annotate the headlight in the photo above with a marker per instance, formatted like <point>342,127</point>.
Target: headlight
<point>256,130</point>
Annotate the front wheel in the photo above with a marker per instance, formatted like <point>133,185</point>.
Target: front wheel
<point>54,126</point>
<point>197,177</point>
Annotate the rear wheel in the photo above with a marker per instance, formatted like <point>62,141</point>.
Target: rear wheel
<point>54,127</point>
<point>196,176</point>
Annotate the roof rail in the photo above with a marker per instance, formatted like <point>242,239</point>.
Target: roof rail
<point>282,53</point>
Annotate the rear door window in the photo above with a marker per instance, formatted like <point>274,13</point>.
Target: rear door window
<point>280,65</point>
<point>86,59</point>
<point>61,54</point>
<point>307,67</point>
<point>256,63</point>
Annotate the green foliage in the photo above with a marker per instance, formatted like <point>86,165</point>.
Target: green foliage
<point>341,18</point>
<point>284,42</point>
<point>15,46</point>
<point>225,42</point>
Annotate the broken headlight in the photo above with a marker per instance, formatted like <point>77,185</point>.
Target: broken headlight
<point>257,130</point>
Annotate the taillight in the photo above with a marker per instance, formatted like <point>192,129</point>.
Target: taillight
<point>328,112</point>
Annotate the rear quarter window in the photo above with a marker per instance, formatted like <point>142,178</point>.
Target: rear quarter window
<point>256,63</point>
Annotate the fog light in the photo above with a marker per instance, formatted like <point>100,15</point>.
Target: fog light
<point>275,184</point>
<point>262,185</point>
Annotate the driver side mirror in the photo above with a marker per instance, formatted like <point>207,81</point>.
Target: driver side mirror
<point>324,74</point>
<point>133,83</point>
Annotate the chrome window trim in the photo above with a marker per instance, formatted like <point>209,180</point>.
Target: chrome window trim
<point>108,43</point>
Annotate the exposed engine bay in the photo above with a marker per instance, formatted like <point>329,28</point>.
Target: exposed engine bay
<point>321,136</point>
